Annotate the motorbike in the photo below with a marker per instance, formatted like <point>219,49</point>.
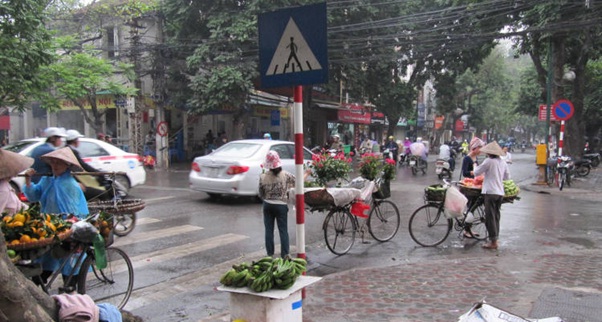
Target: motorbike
<point>523,146</point>
<point>442,169</point>
<point>565,168</point>
<point>416,164</point>
<point>582,167</point>
<point>109,192</point>
<point>594,158</point>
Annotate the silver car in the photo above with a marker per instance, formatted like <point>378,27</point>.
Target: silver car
<point>234,168</point>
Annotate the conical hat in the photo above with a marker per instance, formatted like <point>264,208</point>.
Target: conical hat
<point>64,154</point>
<point>493,148</point>
<point>12,163</point>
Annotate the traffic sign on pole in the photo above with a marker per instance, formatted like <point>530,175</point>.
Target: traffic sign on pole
<point>563,110</point>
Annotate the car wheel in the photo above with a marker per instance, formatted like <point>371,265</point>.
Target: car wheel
<point>213,195</point>
<point>124,182</point>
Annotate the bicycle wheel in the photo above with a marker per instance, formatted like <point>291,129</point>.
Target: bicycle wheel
<point>476,227</point>
<point>428,225</point>
<point>124,224</point>
<point>114,283</point>
<point>383,220</point>
<point>561,180</point>
<point>339,231</point>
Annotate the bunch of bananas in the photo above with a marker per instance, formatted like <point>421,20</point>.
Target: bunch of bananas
<point>27,227</point>
<point>265,274</point>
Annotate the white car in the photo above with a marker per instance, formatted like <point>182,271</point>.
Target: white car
<point>99,154</point>
<point>235,167</point>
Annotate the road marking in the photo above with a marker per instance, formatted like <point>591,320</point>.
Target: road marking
<point>185,283</point>
<point>162,188</point>
<point>156,234</point>
<point>145,221</point>
<point>158,199</point>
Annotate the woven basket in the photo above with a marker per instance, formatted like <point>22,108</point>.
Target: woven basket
<point>42,243</point>
<point>470,192</point>
<point>124,206</point>
<point>434,195</point>
<point>510,199</point>
<point>318,198</point>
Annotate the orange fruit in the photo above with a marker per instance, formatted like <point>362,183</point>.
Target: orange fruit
<point>25,239</point>
<point>14,242</point>
<point>19,217</point>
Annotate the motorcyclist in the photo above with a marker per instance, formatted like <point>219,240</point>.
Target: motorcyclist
<point>391,145</point>
<point>336,143</point>
<point>464,147</point>
<point>447,153</point>
<point>366,146</point>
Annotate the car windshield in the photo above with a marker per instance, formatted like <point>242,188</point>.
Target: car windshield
<point>237,150</point>
<point>18,146</point>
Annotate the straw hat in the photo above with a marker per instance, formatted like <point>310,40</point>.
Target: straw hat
<point>493,148</point>
<point>12,163</point>
<point>272,160</point>
<point>64,154</point>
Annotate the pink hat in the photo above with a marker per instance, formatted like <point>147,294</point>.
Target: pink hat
<point>272,160</point>
<point>476,143</point>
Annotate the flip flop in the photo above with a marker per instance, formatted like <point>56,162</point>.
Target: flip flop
<point>489,246</point>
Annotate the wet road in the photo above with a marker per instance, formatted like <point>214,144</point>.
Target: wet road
<point>183,241</point>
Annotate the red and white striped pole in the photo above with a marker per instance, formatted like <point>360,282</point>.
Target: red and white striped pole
<point>561,139</point>
<point>299,171</point>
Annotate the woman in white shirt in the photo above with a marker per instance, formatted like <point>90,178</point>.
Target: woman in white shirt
<point>508,156</point>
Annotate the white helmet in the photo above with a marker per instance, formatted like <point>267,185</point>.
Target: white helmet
<point>418,139</point>
<point>54,131</point>
<point>73,134</point>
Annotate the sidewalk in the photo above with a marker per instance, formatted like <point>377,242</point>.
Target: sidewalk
<point>532,283</point>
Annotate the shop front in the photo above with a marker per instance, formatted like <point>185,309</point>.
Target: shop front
<point>352,124</point>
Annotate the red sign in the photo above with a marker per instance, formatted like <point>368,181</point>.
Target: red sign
<point>459,125</point>
<point>5,122</point>
<point>563,110</point>
<point>439,122</point>
<point>542,113</point>
<point>354,114</point>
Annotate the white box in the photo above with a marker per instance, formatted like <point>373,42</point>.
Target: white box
<point>270,306</point>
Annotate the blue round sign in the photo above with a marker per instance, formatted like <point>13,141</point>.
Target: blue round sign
<point>563,110</point>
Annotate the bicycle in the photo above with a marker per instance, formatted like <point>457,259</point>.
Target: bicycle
<point>340,225</point>
<point>123,210</point>
<point>112,284</point>
<point>429,226</point>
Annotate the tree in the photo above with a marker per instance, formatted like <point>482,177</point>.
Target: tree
<point>573,33</point>
<point>80,76</point>
<point>24,48</point>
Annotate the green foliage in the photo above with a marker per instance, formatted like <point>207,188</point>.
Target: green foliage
<point>24,48</point>
<point>370,166</point>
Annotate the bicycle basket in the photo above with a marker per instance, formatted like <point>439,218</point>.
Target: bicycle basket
<point>123,206</point>
<point>470,192</point>
<point>384,190</point>
<point>434,193</point>
<point>318,198</point>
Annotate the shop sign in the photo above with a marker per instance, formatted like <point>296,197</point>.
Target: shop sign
<point>402,121</point>
<point>377,118</point>
<point>264,111</point>
<point>459,125</point>
<point>354,114</point>
<point>439,122</point>
<point>102,101</point>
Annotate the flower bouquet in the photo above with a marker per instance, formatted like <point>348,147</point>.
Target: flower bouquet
<point>389,170</point>
<point>326,168</point>
<point>370,166</point>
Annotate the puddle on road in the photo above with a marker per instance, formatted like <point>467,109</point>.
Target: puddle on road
<point>580,241</point>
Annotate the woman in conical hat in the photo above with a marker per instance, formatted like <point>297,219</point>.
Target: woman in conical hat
<point>11,164</point>
<point>495,171</point>
<point>59,193</point>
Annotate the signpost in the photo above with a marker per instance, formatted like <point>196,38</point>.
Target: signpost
<point>562,110</point>
<point>293,52</point>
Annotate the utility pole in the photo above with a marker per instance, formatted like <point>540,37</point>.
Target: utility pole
<point>135,58</point>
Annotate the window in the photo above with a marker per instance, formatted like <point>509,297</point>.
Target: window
<point>112,42</point>
<point>89,150</point>
<point>284,150</point>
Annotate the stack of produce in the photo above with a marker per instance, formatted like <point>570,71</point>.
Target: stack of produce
<point>104,224</point>
<point>265,274</point>
<point>28,228</point>
<point>475,183</point>
<point>435,192</point>
<point>510,188</point>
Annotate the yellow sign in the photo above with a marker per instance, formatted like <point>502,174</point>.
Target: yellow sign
<point>102,101</point>
<point>264,111</point>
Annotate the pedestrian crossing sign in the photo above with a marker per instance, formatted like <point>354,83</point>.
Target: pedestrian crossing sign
<point>293,46</point>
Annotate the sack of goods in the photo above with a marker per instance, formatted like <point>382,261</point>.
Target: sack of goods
<point>455,203</point>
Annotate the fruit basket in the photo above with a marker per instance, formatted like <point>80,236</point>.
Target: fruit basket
<point>318,198</point>
<point>434,193</point>
<point>123,206</point>
<point>470,191</point>
<point>41,243</point>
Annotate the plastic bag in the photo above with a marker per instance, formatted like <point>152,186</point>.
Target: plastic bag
<point>455,202</point>
<point>417,148</point>
<point>84,231</point>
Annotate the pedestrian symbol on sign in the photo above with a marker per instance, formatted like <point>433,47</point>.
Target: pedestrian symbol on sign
<point>292,54</point>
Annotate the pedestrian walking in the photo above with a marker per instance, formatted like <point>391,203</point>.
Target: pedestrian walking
<point>495,171</point>
<point>274,186</point>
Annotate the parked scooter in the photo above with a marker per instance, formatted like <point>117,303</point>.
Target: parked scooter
<point>442,169</point>
<point>565,168</point>
<point>582,167</point>
<point>593,157</point>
